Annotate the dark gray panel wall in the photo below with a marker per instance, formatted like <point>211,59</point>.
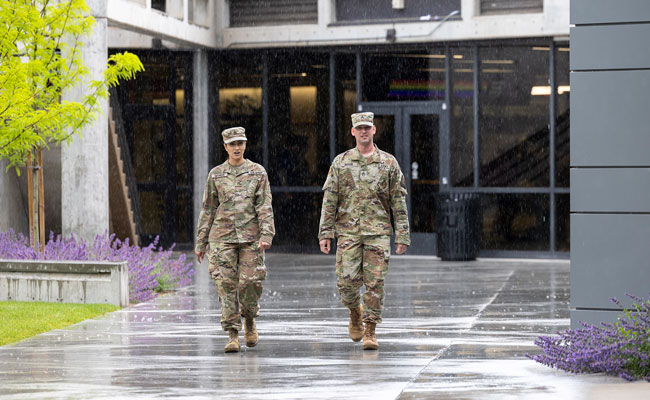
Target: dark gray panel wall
<point>591,317</point>
<point>612,254</point>
<point>599,47</point>
<point>610,156</point>
<point>617,190</point>
<point>613,119</point>
<point>609,11</point>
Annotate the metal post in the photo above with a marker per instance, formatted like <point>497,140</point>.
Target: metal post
<point>551,132</point>
<point>476,114</point>
<point>265,110</point>
<point>332,104</point>
<point>444,134</point>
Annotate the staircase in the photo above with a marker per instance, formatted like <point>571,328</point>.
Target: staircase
<point>123,198</point>
<point>526,161</point>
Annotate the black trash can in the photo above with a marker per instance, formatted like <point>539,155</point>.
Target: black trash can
<point>458,225</point>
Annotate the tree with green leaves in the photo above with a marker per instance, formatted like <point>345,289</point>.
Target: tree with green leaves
<point>41,44</point>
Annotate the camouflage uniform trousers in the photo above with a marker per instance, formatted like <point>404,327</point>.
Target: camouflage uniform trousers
<point>363,260</point>
<point>238,271</point>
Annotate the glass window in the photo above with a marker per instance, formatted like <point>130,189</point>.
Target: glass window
<point>158,5</point>
<point>148,150</point>
<point>240,100</point>
<point>562,127</point>
<point>514,115</point>
<point>152,85</point>
<point>346,99</point>
<point>296,220</point>
<point>424,176</point>
<point>415,75</point>
<point>515,222</point>
<point>184,136</point>
<point>563,225</point>
<point>385,134</point>
<point>156,110</point>
<point>184,217</point>
<point>298,118</point>
<point>152,209</point>
<point>461,136</point>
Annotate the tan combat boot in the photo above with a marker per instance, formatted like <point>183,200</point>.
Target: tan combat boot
<point>233,345</point>
<point>250,332</point>
<point>355,327</point>
<point>369,339</point>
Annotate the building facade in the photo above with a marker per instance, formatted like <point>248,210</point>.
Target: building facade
<point>469,95</point>
<point>610,164</point>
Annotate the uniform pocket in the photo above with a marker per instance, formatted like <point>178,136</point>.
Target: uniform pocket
<point>260,266</point>
<point>249,186</point>
<point>225,189</point>
<point>213,262</point>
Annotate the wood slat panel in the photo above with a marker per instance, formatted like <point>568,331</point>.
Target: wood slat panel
<point>278,12</point>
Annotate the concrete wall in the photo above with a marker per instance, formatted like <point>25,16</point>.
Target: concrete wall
<point>610,157</point>
<point>13,204</point>
<point>13,196</point>
<point>175,25</point>
<point>553,21</point>
<point>213,31</point>
<point>84,162</point>
<point>65,281</point>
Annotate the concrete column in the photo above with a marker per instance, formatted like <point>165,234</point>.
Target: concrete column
<point>84,162</point>
<point>201,149</point>
<point>326,13</point>
<point>468,9</point>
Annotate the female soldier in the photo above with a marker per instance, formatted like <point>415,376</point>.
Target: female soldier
<point>235,227</point>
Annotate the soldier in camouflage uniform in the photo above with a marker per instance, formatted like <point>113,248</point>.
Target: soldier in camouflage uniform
<point>363,186</point>
<point>235,227</point>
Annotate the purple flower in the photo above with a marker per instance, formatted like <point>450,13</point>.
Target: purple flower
<point>621,349</point>
<point>148,266</point>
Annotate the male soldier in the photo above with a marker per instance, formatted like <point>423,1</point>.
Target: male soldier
<point>236,226</point>
<point>363,185</point>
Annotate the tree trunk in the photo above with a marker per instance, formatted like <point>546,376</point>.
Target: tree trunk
<point>41,201</point>
<point>36,200</point>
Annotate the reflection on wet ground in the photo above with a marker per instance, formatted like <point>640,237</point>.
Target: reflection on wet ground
<point>451,330</point>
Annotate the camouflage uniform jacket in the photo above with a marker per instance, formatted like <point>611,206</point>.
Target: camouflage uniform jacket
<point>236,206</point>
<point>359,194</point>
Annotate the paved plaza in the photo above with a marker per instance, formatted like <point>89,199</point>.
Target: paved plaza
<point>451,330</point>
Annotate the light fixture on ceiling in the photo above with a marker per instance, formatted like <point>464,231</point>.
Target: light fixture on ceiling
<point>507,62</point>
<point>546,90</point>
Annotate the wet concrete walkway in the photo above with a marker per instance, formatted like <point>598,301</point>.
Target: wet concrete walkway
<point>451,331</point>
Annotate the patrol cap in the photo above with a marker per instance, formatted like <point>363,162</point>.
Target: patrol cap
<point>364,118</point>
<point>233,134</point>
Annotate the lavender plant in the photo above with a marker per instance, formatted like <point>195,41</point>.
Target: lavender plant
<point>621,349</point>
<point>151,269</point>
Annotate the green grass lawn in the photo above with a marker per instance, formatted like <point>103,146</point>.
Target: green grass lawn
<point>20,320</point>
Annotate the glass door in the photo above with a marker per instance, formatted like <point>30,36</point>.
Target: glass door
<point>423,179</point>
<point>413,133</point>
